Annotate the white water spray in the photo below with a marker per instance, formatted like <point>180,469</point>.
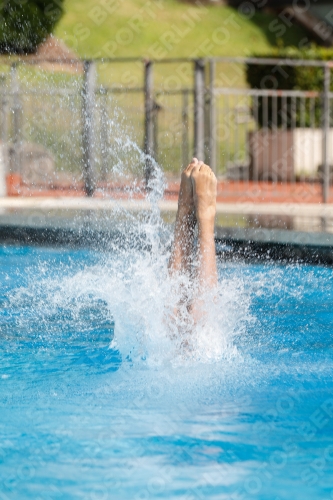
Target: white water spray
<point>135,286</point>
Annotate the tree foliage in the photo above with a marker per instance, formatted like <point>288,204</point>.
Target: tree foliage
<point>24,24</point>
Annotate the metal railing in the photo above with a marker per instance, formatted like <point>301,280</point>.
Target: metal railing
<point>89,123</point>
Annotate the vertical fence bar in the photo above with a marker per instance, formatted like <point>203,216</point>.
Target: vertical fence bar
<point>268,167</point>
<point>207,130</point>
<point>326,132</point>
<point>302,175</point>
<point>17,115</point>
<point>88,94</point>
<point>4,138</point>
<point>226,116</point>
<point>236,138</point>
<point>104,136</point>
<point>255,139</point>
<point>212,117</point>
<point>149,119</point>
<point>199,109</point>
<point>313,126</point>
<point>275,153</point>
<point>293,128</point>
<point>185,148</point>
<point>155,129</point>
<point>4,117</point>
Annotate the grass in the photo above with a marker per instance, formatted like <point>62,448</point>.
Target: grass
<point>166,29</point>
<point>163,29</point>
<point>193,28</point>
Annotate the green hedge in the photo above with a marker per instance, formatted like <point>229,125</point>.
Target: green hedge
<point>290,78</point>
<point>24,24</point>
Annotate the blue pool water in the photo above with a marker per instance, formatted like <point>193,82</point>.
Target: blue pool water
<point>249,414</point>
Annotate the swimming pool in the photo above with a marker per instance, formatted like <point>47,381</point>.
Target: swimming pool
<point>82,420</point>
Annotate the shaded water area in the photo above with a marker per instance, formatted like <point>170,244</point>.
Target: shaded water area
<point>98,402</point>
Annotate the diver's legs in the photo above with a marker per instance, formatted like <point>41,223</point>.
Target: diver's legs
<point>204,196</point>
<point>196,204</point>
<point>182,249</point>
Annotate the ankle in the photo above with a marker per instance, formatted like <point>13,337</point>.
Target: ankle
<point>206,216</point>
<point>186,214</point>
<point>206,225</point>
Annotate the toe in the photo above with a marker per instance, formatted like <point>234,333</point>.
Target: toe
<point>190,166</point>
<point>195,169</point>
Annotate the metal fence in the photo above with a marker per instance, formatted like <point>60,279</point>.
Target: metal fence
<point>88,125</point>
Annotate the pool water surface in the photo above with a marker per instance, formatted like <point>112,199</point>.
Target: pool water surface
<point>87,416</point>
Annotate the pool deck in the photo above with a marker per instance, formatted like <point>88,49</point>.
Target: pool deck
<point>98,204</point>
<point>277,231</point>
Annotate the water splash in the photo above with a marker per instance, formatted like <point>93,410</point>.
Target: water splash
<point>110,312</point>
<point>133,291</point>
<point>134,285</point>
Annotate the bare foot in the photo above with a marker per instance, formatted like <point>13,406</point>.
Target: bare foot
<point>204,192</point>
<point>185,200</point>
